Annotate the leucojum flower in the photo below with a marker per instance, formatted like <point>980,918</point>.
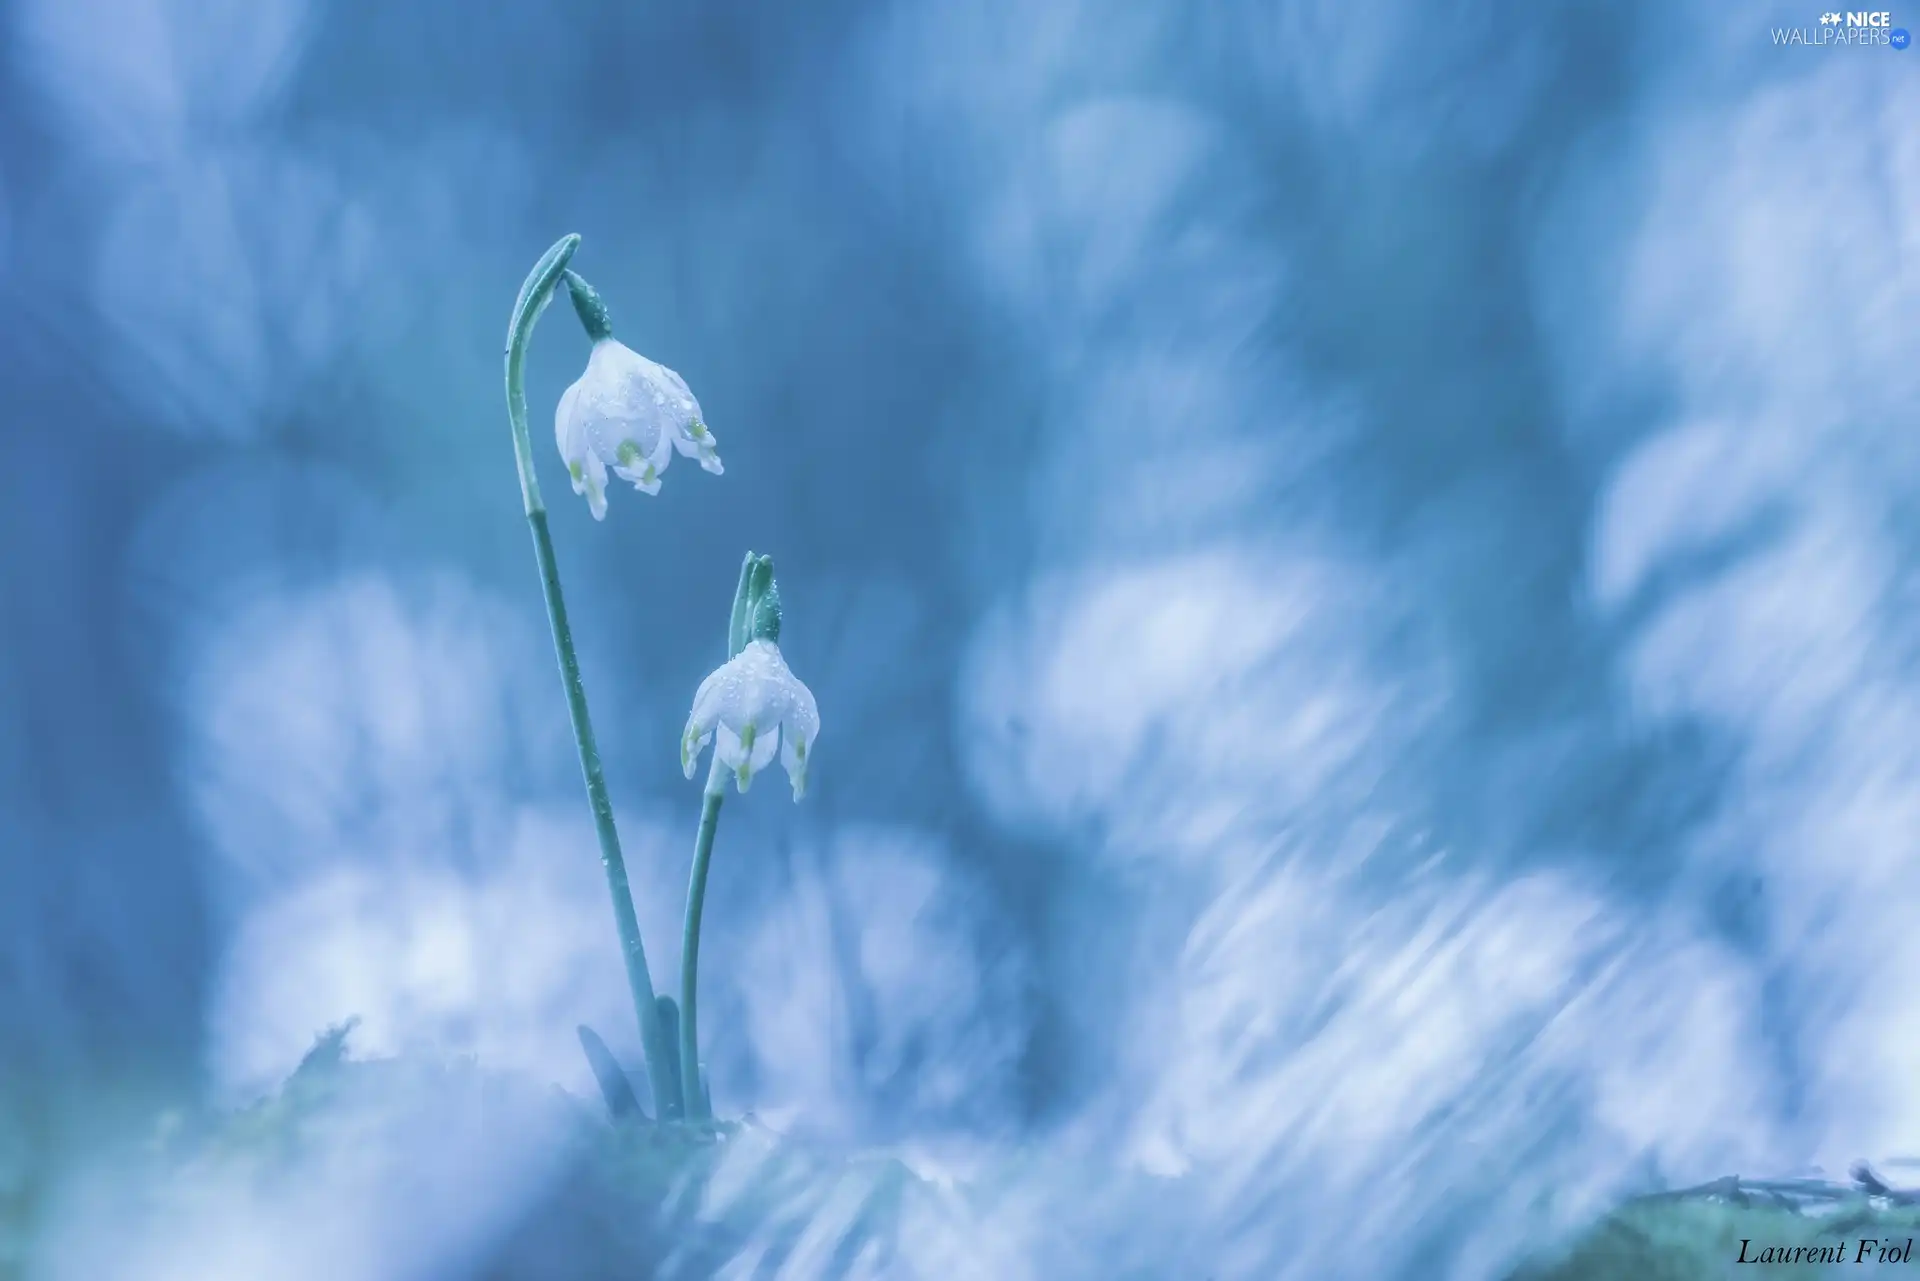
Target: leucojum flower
<point>630,414</point>
<point>626,414</point>
<point>754,705</point>
<point>750,708</point>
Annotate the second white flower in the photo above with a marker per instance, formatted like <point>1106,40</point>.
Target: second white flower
<point>750,708</point>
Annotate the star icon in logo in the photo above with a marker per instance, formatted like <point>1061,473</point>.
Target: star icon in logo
<point>1829,19</point>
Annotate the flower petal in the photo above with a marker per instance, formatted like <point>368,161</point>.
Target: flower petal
<point>692,744</point>
<point>709,701</point>
<point>619,404</point>
<point>594,486</point>
<point>797,735</point>
<point>695,439</point>
<point>644,472</point>
<point>732,755</point>
<point>765,743</point>
<point>566,422</point>
<point>644,475</point>
<point>748,751</point>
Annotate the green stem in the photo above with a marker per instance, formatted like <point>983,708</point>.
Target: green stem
<point>696,1102</point>
<point>535,294</point>
<point>690,940</point>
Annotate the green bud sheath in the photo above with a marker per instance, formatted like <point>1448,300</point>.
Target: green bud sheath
<point>758,582</point>
<point>742,608</point>
<point>766,615</point>
<point>587,305</point>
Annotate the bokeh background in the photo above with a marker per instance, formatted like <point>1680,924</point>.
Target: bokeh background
<point>1356,563</point>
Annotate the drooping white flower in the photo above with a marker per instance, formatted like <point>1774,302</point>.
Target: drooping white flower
<point>628,414</point>
<point>748,709</point>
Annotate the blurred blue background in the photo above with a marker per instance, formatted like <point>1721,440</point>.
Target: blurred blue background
<point>1356,567</point>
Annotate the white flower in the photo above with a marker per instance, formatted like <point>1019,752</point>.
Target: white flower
<point>753,704</point>
<point>629,414</point>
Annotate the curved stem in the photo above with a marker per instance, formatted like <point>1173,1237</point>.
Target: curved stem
<point>690,940</point>
<point>535,294</point>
